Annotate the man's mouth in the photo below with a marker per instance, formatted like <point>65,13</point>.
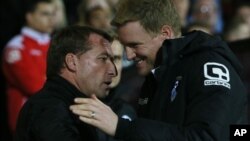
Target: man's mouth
<point>108,82</point>
<point>138,60</point>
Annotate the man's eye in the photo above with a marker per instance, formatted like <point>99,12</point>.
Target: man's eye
<point>103,58</point>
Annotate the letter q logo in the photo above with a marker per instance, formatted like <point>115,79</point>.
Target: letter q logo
<point>216,74</point>
<point>216,71</point>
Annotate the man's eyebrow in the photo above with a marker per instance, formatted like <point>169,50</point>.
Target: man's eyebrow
<point>103,53</point>
<point>131,44</point>
<point>106,54</point>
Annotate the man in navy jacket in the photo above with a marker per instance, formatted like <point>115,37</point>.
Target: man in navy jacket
<point>192,89</point>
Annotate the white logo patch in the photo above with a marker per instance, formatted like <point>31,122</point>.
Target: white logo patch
<point>13,56</point>
<point>216,74</point>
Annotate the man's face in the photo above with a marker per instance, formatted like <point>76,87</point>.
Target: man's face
<point>206,10</point>
<point>59,14</point>
<point>42,18</point>
<point>95,68</point>
<point>244,12</point>
<point>182,7</point>
<point>100,19</point>
<point>140,46</point>
<point>117,50</point>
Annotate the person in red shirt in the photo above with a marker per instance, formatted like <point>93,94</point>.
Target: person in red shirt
<point>24,57</point>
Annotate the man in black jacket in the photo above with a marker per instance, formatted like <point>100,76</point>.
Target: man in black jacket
<point>79,64</point>
<point>192,90</point>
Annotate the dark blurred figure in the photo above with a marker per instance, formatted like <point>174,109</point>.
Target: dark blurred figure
<point>238,29</point>
<point>182,8</point>
<point>11,19</point>
<point>60,19</point>
<point>95,13</point>
<point>9,26</point>
<point>207,11</point>
<point>242,50</point>
<point>71,10</point>
<point>243,10</point>
<point>238,25</point>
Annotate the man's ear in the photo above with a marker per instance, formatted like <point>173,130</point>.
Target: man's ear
<point>167,32</point>
<point>70,61</point>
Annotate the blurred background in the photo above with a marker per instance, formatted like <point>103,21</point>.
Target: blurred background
<point>229,19</point>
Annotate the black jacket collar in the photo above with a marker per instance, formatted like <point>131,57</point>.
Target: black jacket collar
<point>63,89</point>
<point>191,43</point>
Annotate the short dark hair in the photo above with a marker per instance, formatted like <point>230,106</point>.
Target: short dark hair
<point>31,5</point>
<point>71,39</point>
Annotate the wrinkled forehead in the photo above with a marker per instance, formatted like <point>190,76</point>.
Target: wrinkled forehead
<point>43,6</point>
<point>100,41</point>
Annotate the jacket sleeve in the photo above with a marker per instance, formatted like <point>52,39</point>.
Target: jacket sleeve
<point>151,130</point>
<point>216,98</point>
<point>123,109</point>
<point>22,71</point>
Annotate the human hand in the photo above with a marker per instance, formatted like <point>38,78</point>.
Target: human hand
<point>92,111</point>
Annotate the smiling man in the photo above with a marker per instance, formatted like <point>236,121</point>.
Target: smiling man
<point>79,64</point>
<point>192,90</point>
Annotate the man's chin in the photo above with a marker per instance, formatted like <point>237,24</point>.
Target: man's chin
<point>102,95</point>
<point>143,69</point>
<point>143,72</point>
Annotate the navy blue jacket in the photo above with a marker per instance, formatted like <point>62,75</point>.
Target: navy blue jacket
<point>195,93</point>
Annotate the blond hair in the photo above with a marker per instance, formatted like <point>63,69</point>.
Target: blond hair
<point>152,14</point>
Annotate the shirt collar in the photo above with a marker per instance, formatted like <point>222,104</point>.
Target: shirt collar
<point>41,38</point>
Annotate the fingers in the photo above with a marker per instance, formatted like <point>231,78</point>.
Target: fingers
<point>90,121</point>
<point>87,114</point>
<point>86,100</point>
<point>89,104</point>
<point>93,100</point>
<point>92,111</point>
<point>87,107</point>
<point>85,110</point>
<point>82,100</point>
<point>107,125</point>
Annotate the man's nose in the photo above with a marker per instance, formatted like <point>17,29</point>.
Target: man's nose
<point>112,71</point>
<point>130,53</point>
